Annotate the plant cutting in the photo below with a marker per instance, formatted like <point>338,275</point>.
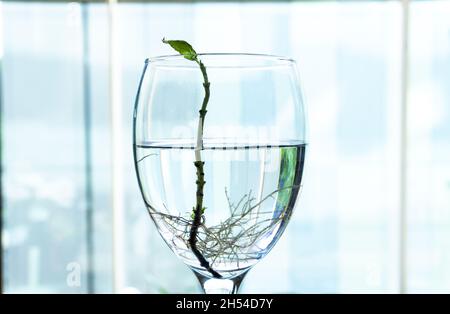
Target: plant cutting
<point>189,53</point>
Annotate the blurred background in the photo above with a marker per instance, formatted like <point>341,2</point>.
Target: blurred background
<point>374,213</point>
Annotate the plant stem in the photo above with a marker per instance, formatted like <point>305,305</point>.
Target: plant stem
<point>207,93</point>
<point>198,209</point>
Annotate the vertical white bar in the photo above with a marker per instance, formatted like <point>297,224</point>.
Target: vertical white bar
<point>1,30</point>
<point>115,96</point>
<point>34,265</point>
<point>2,224</point>
<point>403,283</point>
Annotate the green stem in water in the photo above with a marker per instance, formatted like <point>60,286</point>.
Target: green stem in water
<point>200,182</point>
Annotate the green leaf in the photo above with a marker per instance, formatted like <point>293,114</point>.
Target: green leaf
<point>183,47</point>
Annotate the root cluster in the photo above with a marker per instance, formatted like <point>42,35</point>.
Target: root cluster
<point>232,241</point>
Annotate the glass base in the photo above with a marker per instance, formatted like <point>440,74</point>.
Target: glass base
<point>220,286</point>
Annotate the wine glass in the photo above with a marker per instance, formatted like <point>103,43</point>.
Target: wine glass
<point>220,200</point>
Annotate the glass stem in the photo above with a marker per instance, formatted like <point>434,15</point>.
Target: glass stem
<point>220,286</point>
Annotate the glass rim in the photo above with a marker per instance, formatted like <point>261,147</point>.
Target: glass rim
<point>265,60</point>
